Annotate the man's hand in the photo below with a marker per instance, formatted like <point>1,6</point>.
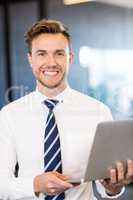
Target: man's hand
<point>51,183</point>
<point>119,176</point>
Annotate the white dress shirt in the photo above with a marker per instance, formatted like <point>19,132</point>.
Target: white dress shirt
<point>22,127</point>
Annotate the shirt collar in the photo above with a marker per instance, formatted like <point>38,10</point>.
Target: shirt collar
<point>61,97</point>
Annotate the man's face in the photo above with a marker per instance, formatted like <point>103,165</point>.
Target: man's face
<point>50,58</point>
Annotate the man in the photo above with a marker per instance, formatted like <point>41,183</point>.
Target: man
<point>49,132</point>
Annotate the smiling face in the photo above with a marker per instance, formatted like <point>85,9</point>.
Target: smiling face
<point>50,58</point>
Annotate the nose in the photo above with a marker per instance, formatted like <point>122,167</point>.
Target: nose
<point>51,61</point>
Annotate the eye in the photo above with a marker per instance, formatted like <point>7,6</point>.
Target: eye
<point>60,53</point>
<point>41,54</point>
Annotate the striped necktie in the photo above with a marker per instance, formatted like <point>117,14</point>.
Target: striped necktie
<point>52,149</point>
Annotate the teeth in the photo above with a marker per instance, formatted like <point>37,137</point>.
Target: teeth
<point>50,73</point>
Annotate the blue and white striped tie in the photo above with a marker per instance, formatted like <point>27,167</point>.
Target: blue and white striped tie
<point>52,149</point>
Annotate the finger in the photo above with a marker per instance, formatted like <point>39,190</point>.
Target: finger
<point>129,169</point>
<point>113,175</point>
<point>120,171</point>
<point>62,176</point>
<point>105,182</point>
<point>64,185</point>
<point>59,183</point>
<point>54,191</point>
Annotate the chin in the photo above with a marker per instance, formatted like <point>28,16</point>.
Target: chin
<point>52,86</point>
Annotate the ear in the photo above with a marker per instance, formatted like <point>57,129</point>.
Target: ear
<point>71,59</point>
<point>29,56</point>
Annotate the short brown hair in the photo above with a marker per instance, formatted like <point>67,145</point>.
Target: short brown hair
<point>45,26</point>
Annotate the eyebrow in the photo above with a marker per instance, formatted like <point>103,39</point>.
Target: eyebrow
<point>44,51</point>
<point>40,51</point>
<point>60,50</point>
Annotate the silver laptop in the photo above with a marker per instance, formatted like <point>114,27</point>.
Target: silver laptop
<point>113,142</point>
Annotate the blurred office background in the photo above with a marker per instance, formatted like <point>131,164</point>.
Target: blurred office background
<point>102,39</point>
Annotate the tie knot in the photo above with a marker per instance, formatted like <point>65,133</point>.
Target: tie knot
<point>50,103</point>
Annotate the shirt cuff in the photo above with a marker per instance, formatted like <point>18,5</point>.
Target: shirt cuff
<point>101,190</point>
<point>28,188</point>
<point>22,187</point>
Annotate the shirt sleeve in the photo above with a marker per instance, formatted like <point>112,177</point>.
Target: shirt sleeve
<point>11,187</point>
<point>102,192</point>
<point>107,116</point>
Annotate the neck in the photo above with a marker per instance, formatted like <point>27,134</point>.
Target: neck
<point>51,92</point>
